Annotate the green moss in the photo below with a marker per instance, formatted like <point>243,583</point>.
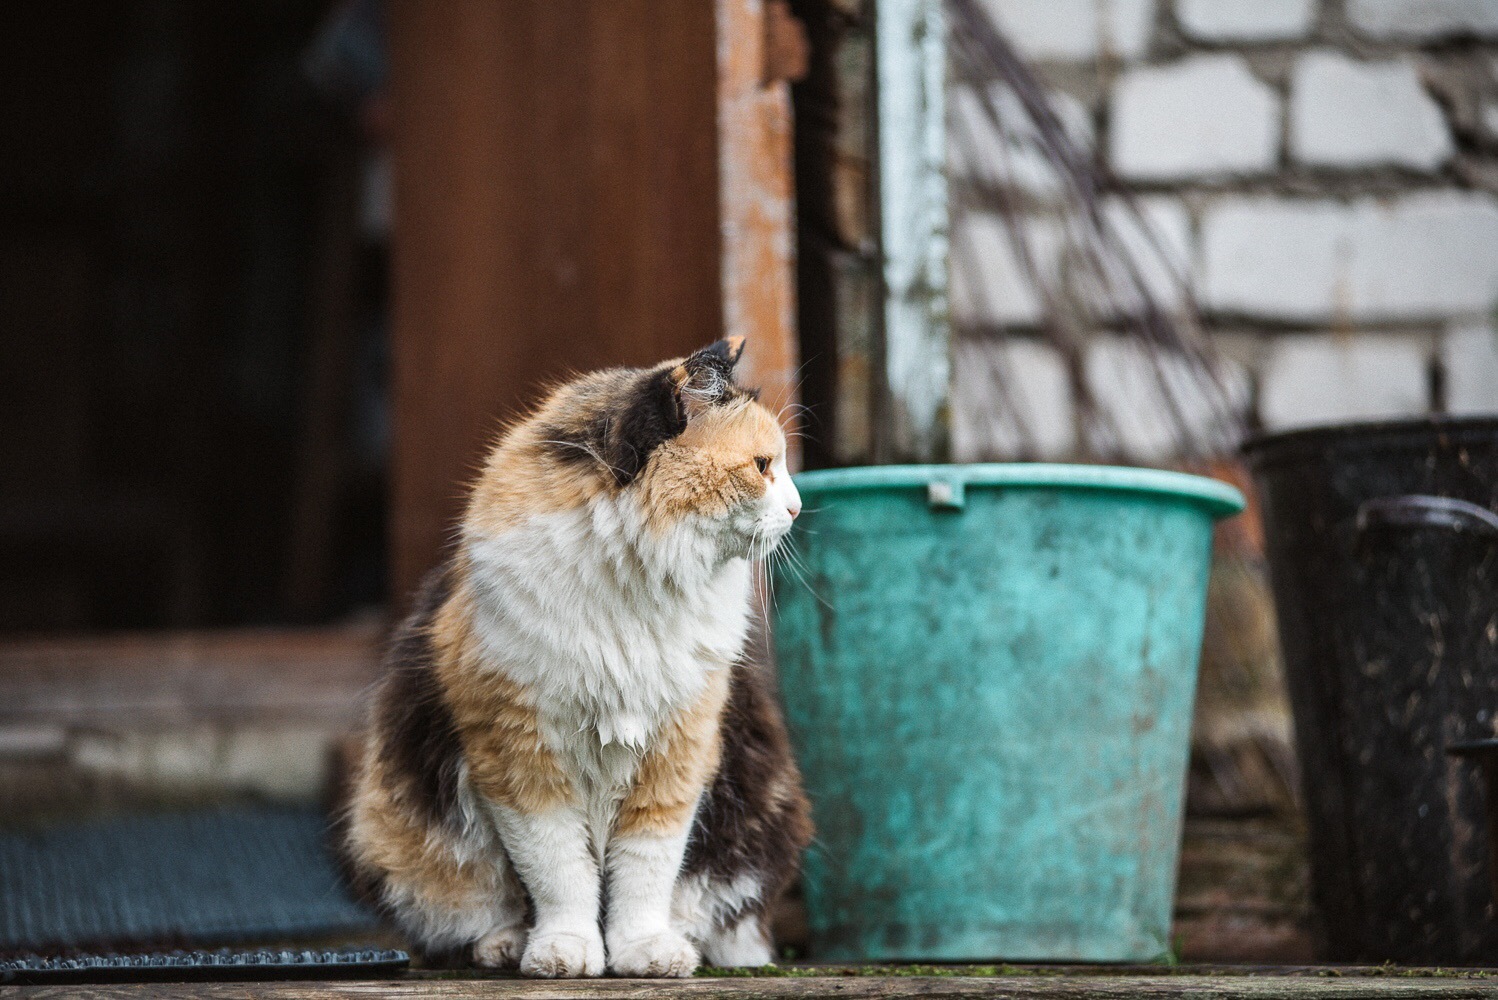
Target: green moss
<point>820,971</point>
<point>1166,965</point>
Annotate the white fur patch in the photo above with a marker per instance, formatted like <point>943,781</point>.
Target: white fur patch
<point>703,905</point>
<point>613,627</point>
<point>743,944</point>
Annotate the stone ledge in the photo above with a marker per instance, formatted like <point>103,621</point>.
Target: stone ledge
<point>175,678</point>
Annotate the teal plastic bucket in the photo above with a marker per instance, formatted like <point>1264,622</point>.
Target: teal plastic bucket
<point>988,673</point>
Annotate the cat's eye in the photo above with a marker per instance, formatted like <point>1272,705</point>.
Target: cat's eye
<point>762,464</point>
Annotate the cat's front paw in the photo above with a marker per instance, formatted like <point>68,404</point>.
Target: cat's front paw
<point>500,949</point>
<point>563,954</point>
<point>665,954</point>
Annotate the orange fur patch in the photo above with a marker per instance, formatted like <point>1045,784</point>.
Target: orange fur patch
<point>709,467</point>
<point>678,767</point>
<point>508,761</point>
<point>386,838</point>
<point>519,482</point>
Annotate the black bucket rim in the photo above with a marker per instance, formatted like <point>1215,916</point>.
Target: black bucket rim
<point>1379,434</point>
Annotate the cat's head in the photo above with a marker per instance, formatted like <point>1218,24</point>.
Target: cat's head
<point>683,443</point>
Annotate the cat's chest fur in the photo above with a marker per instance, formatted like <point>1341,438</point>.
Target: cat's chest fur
<point>609,626</point>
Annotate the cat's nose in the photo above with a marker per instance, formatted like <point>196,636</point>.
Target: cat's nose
<point>794,509</point>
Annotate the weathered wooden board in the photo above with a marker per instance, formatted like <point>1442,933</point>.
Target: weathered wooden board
<point>1017,987</point>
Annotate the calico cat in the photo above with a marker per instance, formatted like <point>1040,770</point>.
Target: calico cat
<point>575,761</point>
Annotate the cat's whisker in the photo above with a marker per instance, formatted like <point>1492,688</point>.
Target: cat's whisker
<point>801,572</point>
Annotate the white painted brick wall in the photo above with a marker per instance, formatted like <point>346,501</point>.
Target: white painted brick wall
<point>1011,398</point>
<point>1245,20</point>
<point>1469,358</point>
<point>1347,114</point>
<point>1326,378</point>
<point>1424,19</point>
<point>1201,116</point>
<point>1139,400</point>
<point>990,287</point>
<point>1075,30</point>
<point>1428,255</point>
<point>978,151</point>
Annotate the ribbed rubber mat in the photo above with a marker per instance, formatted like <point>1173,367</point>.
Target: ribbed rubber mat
<point>220,966</point>
<point>211,877</point>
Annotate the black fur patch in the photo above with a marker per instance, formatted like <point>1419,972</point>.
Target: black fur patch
<point>622,428</point>
<point>652,416</point>
<point>625,422</point>
<point>421,749</point>
<point>741,827</point>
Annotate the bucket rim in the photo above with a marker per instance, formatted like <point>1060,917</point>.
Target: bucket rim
<point>1218,498</point>
<point>1357,431</point>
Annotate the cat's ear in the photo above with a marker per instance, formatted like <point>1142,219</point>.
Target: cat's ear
<point>705,378</point>
<point>729,348</point>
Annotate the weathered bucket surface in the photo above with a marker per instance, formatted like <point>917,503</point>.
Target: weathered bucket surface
<point>988,675</point>
<point>1383,551</point>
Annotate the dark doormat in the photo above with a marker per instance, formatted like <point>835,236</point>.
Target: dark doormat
<point>200,878</point>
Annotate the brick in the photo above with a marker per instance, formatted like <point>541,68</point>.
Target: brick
<point>1011,399</point>
<point>1075,30</point>
<point>989,285</point>
<point>1330,378</point>
<point>1345,113</point>
<point>1271,257</point>
<point>1236,21</point>
<point>1469,359</point>
<point>979,151</point>
<point>1158,240</point>
<point>991,288</point>
<point>1146,396</point>
<point>1427,256</point>
<point>1489,118</point>
<point>1205,115</point>
<point>1421,20</point>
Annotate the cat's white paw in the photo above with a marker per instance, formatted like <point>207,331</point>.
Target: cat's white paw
<point>500,949</point>
<point>663,955</point>
<point>563,955</point>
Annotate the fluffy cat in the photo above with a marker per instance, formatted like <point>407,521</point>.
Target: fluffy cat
<point>573,762</point>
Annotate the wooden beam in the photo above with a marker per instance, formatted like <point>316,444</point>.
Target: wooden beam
<point>556,209</point>
<point>757,196</point>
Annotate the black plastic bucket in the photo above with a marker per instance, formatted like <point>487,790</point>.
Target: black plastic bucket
<point>1383,551</point>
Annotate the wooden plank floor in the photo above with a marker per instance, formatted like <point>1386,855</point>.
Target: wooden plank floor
<point>1257,985</point>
